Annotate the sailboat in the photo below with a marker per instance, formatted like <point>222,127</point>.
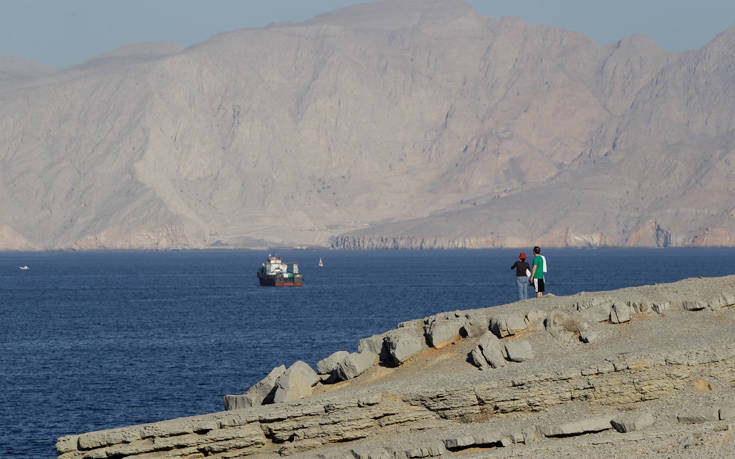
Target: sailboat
<point>321,263</point>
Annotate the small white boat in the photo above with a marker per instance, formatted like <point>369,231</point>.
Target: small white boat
<point>24,268</point>
<point>321,263</point>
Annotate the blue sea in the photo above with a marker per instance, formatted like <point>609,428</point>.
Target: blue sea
<point>93,341</point>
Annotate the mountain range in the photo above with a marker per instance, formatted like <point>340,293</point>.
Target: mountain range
<point>392,124</point>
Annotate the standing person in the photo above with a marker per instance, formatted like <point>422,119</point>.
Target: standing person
<point>523,271</point>
<point>537,273</point>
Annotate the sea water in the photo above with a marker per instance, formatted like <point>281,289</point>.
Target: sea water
<point>92,341</point>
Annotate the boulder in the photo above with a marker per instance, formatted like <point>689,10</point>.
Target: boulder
<point>589,336</point>
<point>725,299</point>
<point>535,318</point>
<point>474,327</point>
<point>459,442</point>
<point>295,383</point>
<point>420,451</point>
<point>260,393</point>
<point>619,313</point>
<point>630,422</point>
<point>517,438</point>
<point>419,323</point>
<point>329,365</point>
<point>532,435</point>
<point>660,308</point>
<point>487,439</point>
<point>641,306</point>
<point>441,332</point>
<point>237,402</point>
<point>596,424</point>
<point>565,326</point>
<point>483,440</point>
<point>372,344</point>
<point>507,324</point>
<point>694,305</point>
<point>355,364</point>
<point>594,309</point>
<point>699,415</point>
<point>478,359</point>
<point>727,413</point>
<point>518,351</point>
<point>489,350</point>
<point>442,316</point>
<point>402,345</point>
<point>369,453</point>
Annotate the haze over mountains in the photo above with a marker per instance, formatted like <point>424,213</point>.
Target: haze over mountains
<point>399,123</point>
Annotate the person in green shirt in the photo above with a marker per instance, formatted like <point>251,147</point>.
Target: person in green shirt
<point>537,273</point>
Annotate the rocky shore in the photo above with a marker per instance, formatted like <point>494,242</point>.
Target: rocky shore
<point>643,371</point>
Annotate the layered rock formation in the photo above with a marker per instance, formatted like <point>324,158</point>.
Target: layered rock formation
<point>633,372</point>
<point>416,123</point>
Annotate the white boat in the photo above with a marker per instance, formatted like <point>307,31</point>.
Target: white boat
<point>24,268</point>
<point>320,264</point>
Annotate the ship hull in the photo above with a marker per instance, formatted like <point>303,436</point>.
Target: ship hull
<point>297,280</point>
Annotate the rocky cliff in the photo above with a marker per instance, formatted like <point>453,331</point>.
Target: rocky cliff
<point>395,123</point>
<point>644,371</point>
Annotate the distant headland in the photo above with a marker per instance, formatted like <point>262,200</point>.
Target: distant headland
<point>411,123</point>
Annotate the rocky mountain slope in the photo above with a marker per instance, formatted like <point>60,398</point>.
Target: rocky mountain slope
<point>406,123</point>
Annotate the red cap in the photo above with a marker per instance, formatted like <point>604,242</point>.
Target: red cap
<point>522,255</point>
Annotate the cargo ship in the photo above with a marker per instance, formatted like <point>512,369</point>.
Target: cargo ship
<point>274,273</point>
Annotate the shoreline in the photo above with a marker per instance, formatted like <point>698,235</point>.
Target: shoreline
<point>494,379</point>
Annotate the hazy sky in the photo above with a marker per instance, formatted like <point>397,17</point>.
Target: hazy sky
<point>64,32</point>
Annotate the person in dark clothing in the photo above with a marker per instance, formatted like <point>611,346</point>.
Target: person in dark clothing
<point>523,271</point>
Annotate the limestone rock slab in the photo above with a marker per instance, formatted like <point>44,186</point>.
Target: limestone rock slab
<point>295,383</point>
<point>565,326</point>
<point>504,325</point>
<point>458,442</point>
<point>535,318</point>
<point>354,364</point>
<point>518,351</point>
<point>589,336</point>
<point>474,327</point>
<point>631,422</point>
<point>372,344</point>
<point>402,346</point>
<point>596,424</point>
<point>329,364</point>
<point>443,331</point>
<point>661,307</point>
<point>699,415</point>
<point>490,347</point>
<point>620,313</point>
<point>595,309</point>
<point>67,443</point>
<point>478,359</point>
<point>727,413</point>
<point>694,305</point>
<point>260,393</point>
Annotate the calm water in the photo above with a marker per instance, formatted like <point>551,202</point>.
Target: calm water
<point>90,341</point>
